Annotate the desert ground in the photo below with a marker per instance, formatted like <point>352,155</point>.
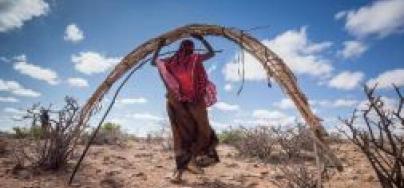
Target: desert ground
<point>147,164</point>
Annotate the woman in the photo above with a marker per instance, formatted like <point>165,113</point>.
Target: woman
<point>189,93</point>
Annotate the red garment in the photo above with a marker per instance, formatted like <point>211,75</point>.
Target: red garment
<point>192,78</point>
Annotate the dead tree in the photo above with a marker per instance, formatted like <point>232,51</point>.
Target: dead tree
<point>379,137</point>
<point>52,136</point>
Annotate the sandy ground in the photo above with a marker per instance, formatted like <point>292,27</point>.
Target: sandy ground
<point>140,164</point>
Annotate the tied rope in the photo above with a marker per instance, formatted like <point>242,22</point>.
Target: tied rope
<point>240,60</point>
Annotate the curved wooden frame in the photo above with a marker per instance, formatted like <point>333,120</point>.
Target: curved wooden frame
<point>273,65</point>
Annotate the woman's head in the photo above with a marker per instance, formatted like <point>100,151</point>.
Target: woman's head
<point>186,47</point>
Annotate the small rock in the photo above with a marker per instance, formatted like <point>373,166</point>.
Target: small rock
<point>264,173</point>
<point>251,184</point>
<point>75,184</point>
<point>23,174</point>
<point>139,174</point>
<point>112,173</point>
<point>110,183</point>
<point>231,165</point>
<point>278,176</point>
<point>370,178</point>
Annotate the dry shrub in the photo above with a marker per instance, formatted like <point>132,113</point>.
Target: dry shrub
<point>254,142</point>
<point>293,140</point>
<point>231,136</point>
<point>296,176</point>
<point>162,137</point>
<point>380,136</point>
<point>50,140</point>
<point>257,142</point>
<point>283,146</point>
<point>109,133</point>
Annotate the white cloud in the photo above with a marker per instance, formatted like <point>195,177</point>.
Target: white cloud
<point>285,103</point>
<point>228,87</point>
<point>386,79</point>
<point>73,33</point>
<point>223,106</point>
<point>345,103</point>
<point>4,59</point>
<point>346,80</point>
<point>380,18</point>
<point>21,57</point>
<point>337,103</point>
<point>37,72</point>
<point>353,49</point>
<point>253,69</point>
<point>16,88</point>
<point>145,116</point>
<point>9,99</point>
<point>13,13</point>
<point>294,47</point>
<point>140,100</point>
<point>301,54</point>
<point>92,62</point>
<point>273,117</point>
<point>260,113</point>
<point>77,82</point>
<point>13,110</point>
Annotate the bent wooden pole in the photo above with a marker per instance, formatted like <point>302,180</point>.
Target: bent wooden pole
<point>273,65</point>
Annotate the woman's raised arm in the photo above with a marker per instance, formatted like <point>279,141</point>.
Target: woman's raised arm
<point>208,47</point>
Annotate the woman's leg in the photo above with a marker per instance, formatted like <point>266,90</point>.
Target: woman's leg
<point>206,141</point>
<point>182,153</point>
<point>184,134</point>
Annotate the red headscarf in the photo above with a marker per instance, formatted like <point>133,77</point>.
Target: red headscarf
<point>186,66</point>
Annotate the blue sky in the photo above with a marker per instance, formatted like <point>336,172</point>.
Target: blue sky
<point>50,49</point>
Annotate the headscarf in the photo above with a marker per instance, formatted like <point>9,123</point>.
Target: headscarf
<point>197,83</point>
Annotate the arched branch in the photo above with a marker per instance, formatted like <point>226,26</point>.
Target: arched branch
<point>273,65</point>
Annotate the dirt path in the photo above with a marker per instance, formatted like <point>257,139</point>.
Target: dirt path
<point>147,165</point>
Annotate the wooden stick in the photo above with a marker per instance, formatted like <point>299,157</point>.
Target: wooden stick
<point>266,57</point>
<point>318,165</point>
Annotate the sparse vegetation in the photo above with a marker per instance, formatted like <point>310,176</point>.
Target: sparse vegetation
<point>230,136</point>
<point>259,141</point>
<point>255,142</point>
<point>50,140</point>
<point>109,133</point>
<point>28,132</point>
<point>378,136</point>
<point>282,146</point>
<point>293,140</point>
<point>162,137</point>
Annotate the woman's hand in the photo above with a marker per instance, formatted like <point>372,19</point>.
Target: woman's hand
<point>197,36</point>
<point>161,43</point>
<point>205,43</point>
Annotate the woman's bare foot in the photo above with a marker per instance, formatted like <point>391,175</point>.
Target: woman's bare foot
<point>177,177</point>
<point>205,161</point>
<point>194,169</point>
